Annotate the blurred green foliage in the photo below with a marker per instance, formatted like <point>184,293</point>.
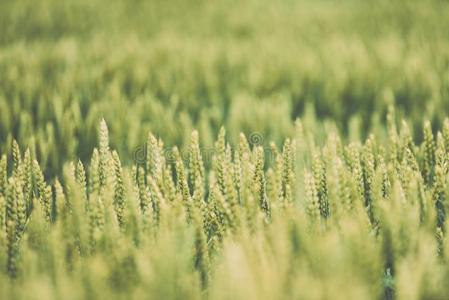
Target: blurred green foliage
<point>253,66</point>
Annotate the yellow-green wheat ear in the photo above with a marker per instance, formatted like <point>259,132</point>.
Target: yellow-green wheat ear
<point>386,183</point>
<point>357,171</point>
<point>392,133</point>
<point>230,191</point>
<point>154,157</point>
<point>219,159</point>
<point>241,165</point>
<point>3,175</point>
<point>238,173</point>
<point>43,192</point>
<point>410,160</point>
<point>344,190</point>
<point>60,202</point>
<point>144,200</point>
<point>368,165</point>
<point>429,153</point>
<point>12,249</point>
<point>11,205</point>
<point>94,173</point>
<point>320,180</point>
<point>27,178</point>
<point>312,200</point>
<point>95,221</point>
<point>168,185</point>
<point>446,135</point>
<point>104,153</point>
<point>182,185</point>
<point>259,183</point>
<point>80,178</point>
<point>202,262</point>
<point>16,158</point>
<point>243,146</point>
<point>278,169</point>
<point>440,182</point>
<point>439,195</point>
<point>287,171</point>
<point>439,234</point>
<point>119,190</point>
<point>2,217</point>
<point>196,168</point>
<point>11,229</point>
<point>405,140</point>
<point>21,209</point>
<point>157,199</point>
<point>441,158</point>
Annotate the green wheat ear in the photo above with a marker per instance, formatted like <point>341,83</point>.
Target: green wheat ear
<point>80,177</point>
<point>27,178</point>
<point>344,189</point>
<point>119,190</point>
<point>157,200</point>
<point>392,133</point>
<point>44,193</point>
<point>313,202</point>
<point>12,249</point>
<point>104,154</point>
<point>405,138</point>
<point>3,175</point>
<point>21,207</point>
<point>94,174</point>
<point>155,160</point>
<point>429,153</point>
<point>386,183</point>
<point>202,262</point>
<point>182,185</point>
<point>287,171</point>
<point>356,168</point>
<point>320,180</point>
<point>259,182</point>
<point>219,161</point>
<point>368,165</point>
<point>446,135</point>
<point>2,217</point>
<point>196,168</point>
<point>144,199</point>
<point>167,184</point>
<point>11,229</point>
<point>60,202</point>
<point>16,158</point>
<point>11,205</point>
<point>441,158</point>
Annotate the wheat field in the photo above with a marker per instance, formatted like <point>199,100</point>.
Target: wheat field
<point>224,149</point>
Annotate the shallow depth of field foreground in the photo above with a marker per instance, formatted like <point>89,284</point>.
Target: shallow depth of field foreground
<point>224,149</point>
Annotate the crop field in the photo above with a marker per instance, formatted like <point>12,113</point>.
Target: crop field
<point>224,149</point>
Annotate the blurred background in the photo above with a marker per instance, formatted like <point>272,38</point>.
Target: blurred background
<point>171,66</point>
